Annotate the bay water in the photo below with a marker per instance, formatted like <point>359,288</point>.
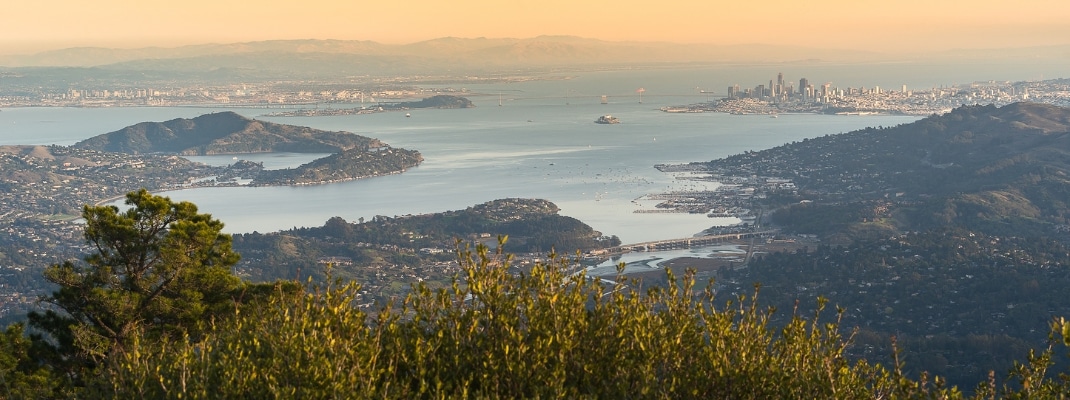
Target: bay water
<point>540,142</point>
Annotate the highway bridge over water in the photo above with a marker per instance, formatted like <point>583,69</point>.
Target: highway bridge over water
<point>686,243</point>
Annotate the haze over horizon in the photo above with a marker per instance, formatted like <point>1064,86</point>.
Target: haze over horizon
<point>905,26</point>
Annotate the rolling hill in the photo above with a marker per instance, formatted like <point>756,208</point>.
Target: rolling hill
<point>223,133</point>
<point>1002,170</point>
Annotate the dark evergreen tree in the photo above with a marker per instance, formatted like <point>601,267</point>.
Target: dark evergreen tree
<point>157,269</point>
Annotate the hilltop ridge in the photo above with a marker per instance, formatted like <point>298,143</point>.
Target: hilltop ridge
<point>223,133</point>
<point>478,52</point>
<point>939,232</point>
<point>1004,169</point>
<point>539,50</point>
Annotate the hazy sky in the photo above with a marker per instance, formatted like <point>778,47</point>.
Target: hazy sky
<point>878,25</point>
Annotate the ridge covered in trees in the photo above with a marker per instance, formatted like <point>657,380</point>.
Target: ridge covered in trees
<point>345,165</point>
<point>491,334</point>
<point>387,254</point>
<point>1002,170</point>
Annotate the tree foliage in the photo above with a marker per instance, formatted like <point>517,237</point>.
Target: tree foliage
<point>494,334</point>
<point>159,268</point>
<point>498,335</point>
<point>22,375</point>
<point>158,277</point>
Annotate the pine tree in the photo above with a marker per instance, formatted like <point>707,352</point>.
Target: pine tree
<point>157,269</point>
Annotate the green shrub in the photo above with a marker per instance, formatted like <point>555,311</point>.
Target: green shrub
<point>496,334</point>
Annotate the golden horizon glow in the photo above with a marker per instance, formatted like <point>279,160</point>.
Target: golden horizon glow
<point>888,26</point>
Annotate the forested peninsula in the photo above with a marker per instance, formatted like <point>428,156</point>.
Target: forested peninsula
<point>343,166</point>
<point>388,254</point>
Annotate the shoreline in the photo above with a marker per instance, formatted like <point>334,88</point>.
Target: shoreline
<point>114,198</point>
<point>327,182</point>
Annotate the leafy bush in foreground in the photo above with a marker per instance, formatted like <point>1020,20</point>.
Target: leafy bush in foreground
<point>500,335</point>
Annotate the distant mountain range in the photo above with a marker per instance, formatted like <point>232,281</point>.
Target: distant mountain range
<point>443,53</point>
<point>331,60</point>
<point>541,51</point>
<point>223,133</point>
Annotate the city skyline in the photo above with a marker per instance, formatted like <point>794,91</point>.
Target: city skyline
<point>886,27</point>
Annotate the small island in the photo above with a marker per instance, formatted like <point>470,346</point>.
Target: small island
<point>439,101</point>
<point>607,119</point>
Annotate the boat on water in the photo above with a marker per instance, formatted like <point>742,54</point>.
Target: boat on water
<point>407,115</point>
<point>607,119</point>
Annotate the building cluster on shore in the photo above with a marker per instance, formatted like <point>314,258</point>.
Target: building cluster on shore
<point>781,96</point>
<point>57,180</point>
<point>266,95</point>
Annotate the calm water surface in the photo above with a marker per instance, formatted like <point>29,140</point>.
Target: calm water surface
<point>538,144</point>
